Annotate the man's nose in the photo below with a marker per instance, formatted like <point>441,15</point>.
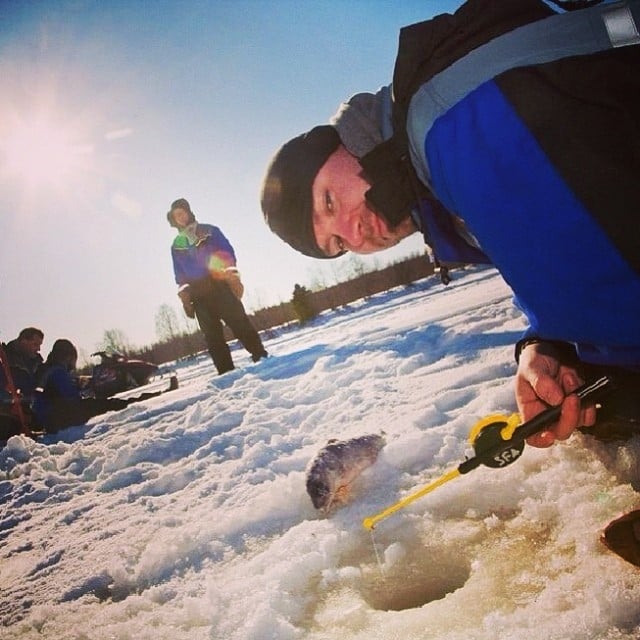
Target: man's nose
<point>353,233</point>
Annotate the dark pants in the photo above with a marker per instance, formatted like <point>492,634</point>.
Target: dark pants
<point>214,302</point>
<point>67,412</point>
<point>12,423</point>
<point>9,426</point>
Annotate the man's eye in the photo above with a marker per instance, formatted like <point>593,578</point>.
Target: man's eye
<point>328,201</point>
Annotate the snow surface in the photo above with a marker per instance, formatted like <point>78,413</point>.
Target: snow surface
<point>186,516</point>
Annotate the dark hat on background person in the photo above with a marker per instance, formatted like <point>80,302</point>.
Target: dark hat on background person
<point>286,197</point>
<point>180,203</point>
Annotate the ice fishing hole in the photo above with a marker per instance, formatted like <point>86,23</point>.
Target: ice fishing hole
<point>430,576</point>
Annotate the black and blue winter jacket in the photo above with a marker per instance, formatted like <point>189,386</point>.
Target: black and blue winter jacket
<point>542,162</point>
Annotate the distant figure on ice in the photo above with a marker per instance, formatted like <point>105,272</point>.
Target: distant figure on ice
<point>510,137</point>
<point>204,264</point>
<point>20,361</point>
<point>57,400</point>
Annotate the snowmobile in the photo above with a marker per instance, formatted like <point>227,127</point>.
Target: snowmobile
<point>116,373</point>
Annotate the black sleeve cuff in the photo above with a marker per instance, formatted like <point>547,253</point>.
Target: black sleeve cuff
<point>564,352</point>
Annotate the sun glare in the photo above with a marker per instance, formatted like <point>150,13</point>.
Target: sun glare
<point>41,153</point>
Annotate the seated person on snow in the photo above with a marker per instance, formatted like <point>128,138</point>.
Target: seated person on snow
<point>22,359</point>
<point>57,399</point>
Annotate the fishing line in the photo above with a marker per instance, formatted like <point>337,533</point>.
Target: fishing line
<point>375,550</point>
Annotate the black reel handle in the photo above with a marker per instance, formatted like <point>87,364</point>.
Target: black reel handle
<point>493,451</point>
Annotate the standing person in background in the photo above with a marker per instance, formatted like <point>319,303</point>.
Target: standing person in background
<point>204,264</point>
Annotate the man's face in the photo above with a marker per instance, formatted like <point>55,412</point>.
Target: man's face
<point>31,346</point>
<point>342,221</point>
<point>181,217</point>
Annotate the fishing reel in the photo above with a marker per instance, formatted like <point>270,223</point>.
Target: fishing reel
<point>491,440</point>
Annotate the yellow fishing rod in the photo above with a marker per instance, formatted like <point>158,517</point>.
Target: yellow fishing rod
<point>498,441</point>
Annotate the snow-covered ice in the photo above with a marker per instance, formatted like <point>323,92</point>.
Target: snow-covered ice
<point>186,516</point>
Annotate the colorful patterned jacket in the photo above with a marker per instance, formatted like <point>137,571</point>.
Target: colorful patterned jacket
<point>199,262</point>
<point>541,161</point>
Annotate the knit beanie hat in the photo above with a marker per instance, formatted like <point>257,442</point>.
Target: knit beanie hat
<point>180,203</point>
<point>286,197</point>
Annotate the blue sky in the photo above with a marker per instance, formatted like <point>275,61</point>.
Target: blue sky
<point>111,110</point>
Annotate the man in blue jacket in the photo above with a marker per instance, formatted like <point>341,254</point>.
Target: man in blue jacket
<point>210,289</point>
<point>510,137</point>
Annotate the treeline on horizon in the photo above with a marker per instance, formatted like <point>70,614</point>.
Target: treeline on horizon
<point>303,306</point>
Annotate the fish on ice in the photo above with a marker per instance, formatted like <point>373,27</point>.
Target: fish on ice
<point>337,465</point>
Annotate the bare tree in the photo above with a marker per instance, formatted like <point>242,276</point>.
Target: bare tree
<point>114,340</point>
<point>84,360</point>
<point>167,327</point>
<point>190,325</point>
<point>317,278</point>
<point>254,300</point>
<point>354,267</point>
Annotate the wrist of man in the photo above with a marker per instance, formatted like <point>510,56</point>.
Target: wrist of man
<point>522,344</point>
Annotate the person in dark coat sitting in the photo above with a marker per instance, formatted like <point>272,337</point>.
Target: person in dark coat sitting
<point>57,399</point>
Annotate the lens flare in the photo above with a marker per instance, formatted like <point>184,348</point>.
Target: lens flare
<point>219,261</point>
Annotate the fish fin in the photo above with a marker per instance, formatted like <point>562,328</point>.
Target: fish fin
<point>327,507</point>
<point>337,498</point>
